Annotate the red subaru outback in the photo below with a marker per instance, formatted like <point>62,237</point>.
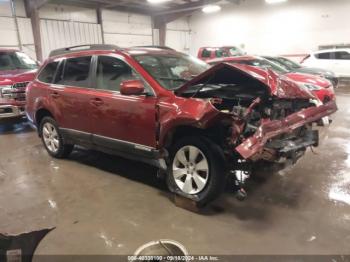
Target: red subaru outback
<point>170,110</point>
<point>16,71</point>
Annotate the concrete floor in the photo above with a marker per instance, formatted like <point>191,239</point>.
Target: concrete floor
<point>102,204</point>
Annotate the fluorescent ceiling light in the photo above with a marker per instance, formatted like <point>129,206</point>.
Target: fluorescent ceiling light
<point>157,1</point>
<point>211,9</point>
<point>275,1</point>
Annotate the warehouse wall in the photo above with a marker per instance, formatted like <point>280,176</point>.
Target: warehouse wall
<point>126,29</point>
<point>16,29</point>
<point>62,26</point>
<point>295,27</point>
<point>178,35</point>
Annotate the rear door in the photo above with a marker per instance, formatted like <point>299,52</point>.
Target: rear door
<point>121,122</point>
<point>342,63</point>
<point>325,60</point>
<point>71,95</point>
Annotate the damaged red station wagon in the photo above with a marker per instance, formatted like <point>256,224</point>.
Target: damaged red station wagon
<point>170,110</point>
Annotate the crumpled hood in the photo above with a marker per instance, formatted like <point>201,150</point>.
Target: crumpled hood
<point>309,79</point>
<point>224,73</point>
<point>10,77</point>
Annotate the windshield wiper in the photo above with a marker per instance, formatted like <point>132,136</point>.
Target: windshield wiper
<point>201,86</point>
<point>173,79</point>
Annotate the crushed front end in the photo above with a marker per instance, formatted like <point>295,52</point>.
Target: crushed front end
<point>284,132</point>
<point>276,132</point>
<point>262,116</point>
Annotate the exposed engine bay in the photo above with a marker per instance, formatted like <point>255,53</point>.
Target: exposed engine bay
<point>250,107</point>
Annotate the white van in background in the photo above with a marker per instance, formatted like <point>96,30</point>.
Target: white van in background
<point>336,60</point>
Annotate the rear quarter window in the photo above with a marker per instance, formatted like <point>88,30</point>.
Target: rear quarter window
<point>342,55</point>
<point>48,72</point>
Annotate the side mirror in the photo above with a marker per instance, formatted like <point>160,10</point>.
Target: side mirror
<point>132,87</point>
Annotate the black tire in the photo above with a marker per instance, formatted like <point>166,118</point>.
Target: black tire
<point>63,150</point>
<point>216,166</point>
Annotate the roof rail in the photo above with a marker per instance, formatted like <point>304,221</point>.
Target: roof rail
<point>155,46</point>
<point>77,48</point>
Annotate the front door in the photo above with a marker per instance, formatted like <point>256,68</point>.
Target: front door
<point>121,122</point>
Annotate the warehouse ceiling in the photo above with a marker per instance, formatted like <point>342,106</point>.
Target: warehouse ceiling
<point>142,6</point>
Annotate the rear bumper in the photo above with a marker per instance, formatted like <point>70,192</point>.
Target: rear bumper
<point>255,144</point>
<point>11,112</point>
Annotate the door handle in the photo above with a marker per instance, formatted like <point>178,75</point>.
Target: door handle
<point>55,95</point>
<point>96,101</point>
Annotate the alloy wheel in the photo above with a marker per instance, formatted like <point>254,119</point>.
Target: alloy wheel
<point>50,137</point>
<point>190,170</point>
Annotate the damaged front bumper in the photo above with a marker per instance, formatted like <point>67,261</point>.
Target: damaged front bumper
<point>290,148</point>
<point>257,146</point>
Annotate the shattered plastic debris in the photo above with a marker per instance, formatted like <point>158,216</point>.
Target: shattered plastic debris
<point>312,238</point>
<point>52,203</point>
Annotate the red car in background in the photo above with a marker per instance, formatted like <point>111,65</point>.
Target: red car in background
<point>208,53</point>
<point>16,71</point>
<point>319,86</point>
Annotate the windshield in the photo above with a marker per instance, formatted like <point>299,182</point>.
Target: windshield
<point>16,60</point>
<point>263,63</point>
<point>171,71</point>
<point>280,63</point>
<point>289,63</point>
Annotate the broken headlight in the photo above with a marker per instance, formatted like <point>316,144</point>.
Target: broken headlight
<point>312,87</point>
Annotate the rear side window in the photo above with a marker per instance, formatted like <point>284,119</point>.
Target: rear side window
<point>220,53</point>
<point>326,55</point>
<point>47,74</point>
<point>342,55</point>
<point>206,53</point>
<point>75,72</point>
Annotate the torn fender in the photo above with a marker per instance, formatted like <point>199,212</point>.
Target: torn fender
<point>194,112</point>
<point>272,128</point>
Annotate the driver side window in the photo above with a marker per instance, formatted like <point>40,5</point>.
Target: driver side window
<point>111,72</point>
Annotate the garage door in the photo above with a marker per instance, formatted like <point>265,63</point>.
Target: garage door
<point>57,34</point>
<point>179,40</point>
<point>126,29</point>
<point>178,35</point>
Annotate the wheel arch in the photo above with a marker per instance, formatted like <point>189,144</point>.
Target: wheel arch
<point>181,131</point>
<point>212,133</point>
<point>39,115</point>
